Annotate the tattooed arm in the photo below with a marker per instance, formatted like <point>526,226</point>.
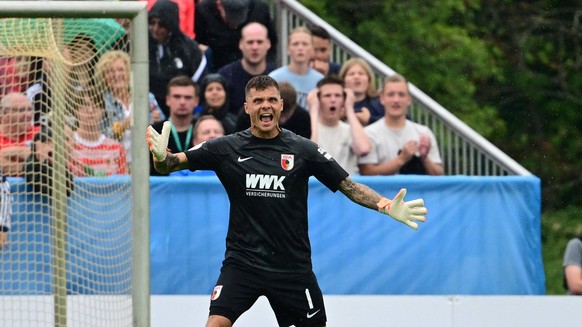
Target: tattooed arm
<point>173,162</point>
<point>360,193</point>
<point>408,213</point>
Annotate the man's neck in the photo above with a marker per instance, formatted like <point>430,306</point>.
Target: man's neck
<point>286,114</point>
<point>181,123</point>
<point>328,121</point>
<point>395,122</point>
<point>254,69</point>
<point>299,68</point>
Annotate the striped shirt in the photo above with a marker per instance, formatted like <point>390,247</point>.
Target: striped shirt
<point>5,204</point>
<point>103,157</point>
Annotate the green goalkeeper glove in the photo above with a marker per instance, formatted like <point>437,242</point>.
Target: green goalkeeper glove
<point>404,212</point>
<point>158,143</point>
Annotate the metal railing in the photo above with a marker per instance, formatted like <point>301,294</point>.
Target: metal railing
<point>464,151</point>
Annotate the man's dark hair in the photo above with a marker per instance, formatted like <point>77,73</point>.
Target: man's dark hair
<point>289,96</point>
<point>182,80</point>
<point>332,79</point>
<point>320,32</point>
<point>260,83</point>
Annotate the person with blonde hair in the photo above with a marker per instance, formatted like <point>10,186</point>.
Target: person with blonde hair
<point>114,72</point>
<point>358,76</point>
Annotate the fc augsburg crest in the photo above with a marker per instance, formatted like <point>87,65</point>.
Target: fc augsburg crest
<point>287,161</point>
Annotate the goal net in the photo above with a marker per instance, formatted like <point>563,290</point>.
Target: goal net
<point>67,115</point>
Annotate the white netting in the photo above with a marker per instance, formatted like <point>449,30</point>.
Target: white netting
<point>64,143</point>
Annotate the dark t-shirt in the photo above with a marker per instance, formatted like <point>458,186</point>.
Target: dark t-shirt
<point>267,182</point>
<point>237,78</point>
<point>213,32</point>
<point>374,106</point>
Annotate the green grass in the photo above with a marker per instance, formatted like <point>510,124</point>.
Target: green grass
<point>558,227</point>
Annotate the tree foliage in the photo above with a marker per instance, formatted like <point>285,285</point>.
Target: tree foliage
<point>510,69</point>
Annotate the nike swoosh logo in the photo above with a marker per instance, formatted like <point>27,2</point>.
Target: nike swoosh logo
<point>309,315</point>
<point>243,159</point>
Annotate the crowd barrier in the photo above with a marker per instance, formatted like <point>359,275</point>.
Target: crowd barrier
<point>482,237</point>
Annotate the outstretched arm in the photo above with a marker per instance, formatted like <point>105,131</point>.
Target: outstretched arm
<point>165,162</point>
<point>408,213</point>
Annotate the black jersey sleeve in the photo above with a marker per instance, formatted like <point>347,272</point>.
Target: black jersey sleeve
<point>206,155</point>
<point>323,166</point>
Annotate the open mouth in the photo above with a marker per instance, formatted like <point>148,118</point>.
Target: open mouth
<point>332,108</point>
<point>266,118</point>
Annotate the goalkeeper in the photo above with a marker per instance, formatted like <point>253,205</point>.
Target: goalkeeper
<point>265,171</point>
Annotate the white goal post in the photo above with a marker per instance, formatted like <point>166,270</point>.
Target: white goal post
<point>81,285</point>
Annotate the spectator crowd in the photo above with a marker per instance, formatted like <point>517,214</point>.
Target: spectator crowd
<point>200,58</point>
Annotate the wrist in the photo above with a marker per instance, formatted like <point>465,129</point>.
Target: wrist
<point>383,204</point>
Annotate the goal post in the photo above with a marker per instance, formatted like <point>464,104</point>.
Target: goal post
<point>80,250</point>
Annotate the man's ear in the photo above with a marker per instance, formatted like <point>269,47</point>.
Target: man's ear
<point>245,108</point>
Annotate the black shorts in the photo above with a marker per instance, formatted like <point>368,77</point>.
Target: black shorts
<point>295,298</point>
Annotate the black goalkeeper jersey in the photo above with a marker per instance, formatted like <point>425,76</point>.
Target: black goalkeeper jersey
<point>267,182</point>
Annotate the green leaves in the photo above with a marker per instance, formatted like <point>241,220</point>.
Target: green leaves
<point>510,69</point>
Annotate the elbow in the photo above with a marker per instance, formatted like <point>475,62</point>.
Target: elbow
<point>362,149</point>
<point>366,170</point>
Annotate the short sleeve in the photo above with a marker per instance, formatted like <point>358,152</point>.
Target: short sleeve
<point>573,253</point>
<point>324,167</point>
<point>205,156</point>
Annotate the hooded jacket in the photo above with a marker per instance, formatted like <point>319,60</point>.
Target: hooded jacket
<point>178,55</point>
<point>223,114</point>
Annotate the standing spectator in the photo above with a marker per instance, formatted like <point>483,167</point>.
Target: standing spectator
<point>114,68</point>
<point>359,77</point>
<point>400,146</point>
<point>298,72</point>
<point>254,45</point>
<point>16,132</point>
<point>322,52</point>
<point>214,101</point>
<point>207,127</point>
<point>181,99</point>
<point>5,210</point>
<point>573,266</point>
<point>218,25</point>
<point>171,52</point>
<point>293,117</point>
<point>95,154</point>
<point>344,141</point>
